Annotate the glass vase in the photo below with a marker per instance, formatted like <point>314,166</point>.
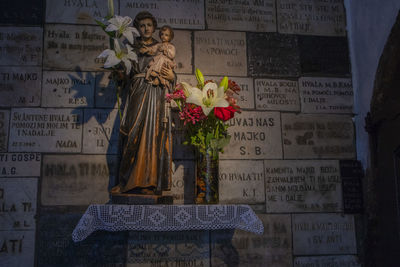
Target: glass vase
<point>207,175</point>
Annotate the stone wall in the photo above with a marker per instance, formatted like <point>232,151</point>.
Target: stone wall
<point>292,147</point>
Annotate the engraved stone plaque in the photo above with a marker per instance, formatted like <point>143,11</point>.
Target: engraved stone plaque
<point>105,91</point>
<point>4,122</point>
<point>68,89</point>
<point>184,248</point>
<point>76,179</point>
<point>55,246</point>
<point>12,13</point>
<point>18,248</point>
<point>311,17</point>
<point>328,261</point>
<point>303,186</point>
<point>323,234</point>
<point>326,95</point>
<point>45,130</point>
<point>190,79</point>
<point>74,47</point>
<point>241,182</point>
<point>226,51</point>
<point>245,97</point>
<point>184,55</point>
<point>259,16</point>
<point>277,95</point>
<point>272,54</point>
<point>20,86</point>
<point>180,14</point>
<point>20,46</point>
<point>240,248</point>
<point>179,150</point>
<point>254,135</point>
<point>77,12</point>
<point>324,55</point>
<point>100,131</point>
<point>314,136</point>
<point>183,181</point>
<point>20,164</point>
<point>18,197</point>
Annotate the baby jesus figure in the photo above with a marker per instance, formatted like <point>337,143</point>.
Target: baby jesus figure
<point>164,57</point>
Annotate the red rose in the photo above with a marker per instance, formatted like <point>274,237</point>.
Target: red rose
<point>224,114</point>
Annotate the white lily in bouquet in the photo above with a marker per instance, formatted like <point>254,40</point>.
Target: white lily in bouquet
<point>120,55</point>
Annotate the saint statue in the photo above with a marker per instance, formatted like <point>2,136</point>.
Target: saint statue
<point>145,131</point>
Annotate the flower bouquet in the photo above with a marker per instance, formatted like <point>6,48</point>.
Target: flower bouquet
<point>204,109</point>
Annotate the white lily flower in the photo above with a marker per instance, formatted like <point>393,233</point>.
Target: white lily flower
<point>121,27</point>
<point>209,98</point>
<point>117,55</point>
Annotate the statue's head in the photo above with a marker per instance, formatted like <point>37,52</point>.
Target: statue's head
<point>145,23</point>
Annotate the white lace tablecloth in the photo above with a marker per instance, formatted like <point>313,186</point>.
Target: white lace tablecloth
<point>166,218</point>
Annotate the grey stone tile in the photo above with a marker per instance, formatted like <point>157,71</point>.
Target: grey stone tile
<point>327,261</point>
<point>4,123</point>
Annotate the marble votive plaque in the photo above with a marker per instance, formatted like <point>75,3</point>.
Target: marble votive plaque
<point>177,14</point>
<point>68,89</point>
<point>327,261</point>
<point>307,17</point>
<point>20,86</point>
<point>74,47</point>
<point>317,136</point>
<point>324,234</point>
<point>274,94</point>
<point>303,186</point>
<point>226,51</point>
<point>21,46</point>
<point>259,16</point>
<point>100,131</point>
<point>326,95</point>
<point>240,248</point>
<point>45,130</point>
<point>241,182</point>
<point>183,181</point>
<point>76,179</point>
<point>77,12</point>
<point>254,135</point>
<point>20,164</point>
<point>18,201</point>
<point>18,248</point>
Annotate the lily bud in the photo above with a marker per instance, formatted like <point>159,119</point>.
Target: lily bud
<point>111,8</point>
<point>224,83</point>
<point>200,78</point>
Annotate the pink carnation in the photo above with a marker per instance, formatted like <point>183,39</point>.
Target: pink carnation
<point>191,114</point>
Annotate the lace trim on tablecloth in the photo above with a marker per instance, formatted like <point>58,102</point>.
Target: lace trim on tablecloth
<point>166,218</point>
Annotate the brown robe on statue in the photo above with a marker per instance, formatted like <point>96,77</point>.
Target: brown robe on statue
<point>146,159</point>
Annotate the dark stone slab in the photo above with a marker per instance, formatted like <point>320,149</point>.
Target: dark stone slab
<point>272,54</point>
<point>352,173</point>
<point>324,55</point>
<point>55,246</point>
<point>22,12</point>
